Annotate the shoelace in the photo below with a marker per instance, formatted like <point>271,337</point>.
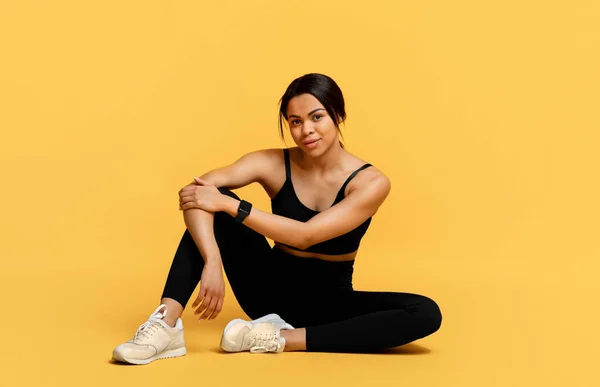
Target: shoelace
<point>149,327</point>
<point>264,343</point>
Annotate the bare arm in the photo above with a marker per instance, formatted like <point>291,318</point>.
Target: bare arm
<point>276,227</point>
<point>360,204</point>
<point>246,170</point>
<point>200,226</point>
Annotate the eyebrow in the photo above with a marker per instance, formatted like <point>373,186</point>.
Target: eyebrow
<point>316,110</point>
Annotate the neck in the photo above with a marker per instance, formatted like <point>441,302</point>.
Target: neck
<point>325,162</point>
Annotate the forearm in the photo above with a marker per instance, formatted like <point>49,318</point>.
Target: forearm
<point>200,225</point>
<point>275,227</point>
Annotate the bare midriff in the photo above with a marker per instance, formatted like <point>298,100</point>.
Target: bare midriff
<point>325,257</point>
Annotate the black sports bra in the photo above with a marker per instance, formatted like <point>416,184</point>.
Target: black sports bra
<point>287,204</point>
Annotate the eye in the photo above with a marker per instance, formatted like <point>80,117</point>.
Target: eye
<point>317,116</point>
<point>295,122</point>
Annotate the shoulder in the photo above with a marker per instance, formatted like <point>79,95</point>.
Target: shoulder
<point>371,184</point>
<point>266,152</point>
<point>268,168</point>
<point>373,178</point>
<point>264,157</point>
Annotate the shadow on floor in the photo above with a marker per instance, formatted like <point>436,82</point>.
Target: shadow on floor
<point>408,349</point>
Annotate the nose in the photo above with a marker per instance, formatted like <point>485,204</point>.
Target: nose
<point>308,128</point>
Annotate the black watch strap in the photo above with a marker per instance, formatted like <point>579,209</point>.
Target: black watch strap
<point>243,211</point>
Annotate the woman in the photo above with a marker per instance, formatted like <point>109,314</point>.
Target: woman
<point>299,292</point>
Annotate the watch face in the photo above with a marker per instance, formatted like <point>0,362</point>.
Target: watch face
<point>245,206</point>
<point>244,209</point>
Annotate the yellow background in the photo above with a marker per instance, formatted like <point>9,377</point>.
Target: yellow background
<point>484,114</point>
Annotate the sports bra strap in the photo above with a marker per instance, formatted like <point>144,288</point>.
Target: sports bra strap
<point>352,177</point>
<point>288,171</point>
<point>286,157</point>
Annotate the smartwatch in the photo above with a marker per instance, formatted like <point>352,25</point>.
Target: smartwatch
<point>243,211</point>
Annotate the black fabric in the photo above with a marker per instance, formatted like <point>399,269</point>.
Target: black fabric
<point>287,204</point>
<point>306,292</point>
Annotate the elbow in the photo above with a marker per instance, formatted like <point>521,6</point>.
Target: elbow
<point>305,240</point>
<point>302,245</point>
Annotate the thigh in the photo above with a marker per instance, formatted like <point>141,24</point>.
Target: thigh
<point>363,302</point>
<point>344,305</point>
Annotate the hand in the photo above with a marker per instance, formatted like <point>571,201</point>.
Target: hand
<point>201,195</point>
<point>212,292</point>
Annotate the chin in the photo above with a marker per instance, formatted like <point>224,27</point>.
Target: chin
<point>316,152</point>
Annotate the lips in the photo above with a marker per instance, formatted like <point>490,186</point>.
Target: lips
<point>307,142</point>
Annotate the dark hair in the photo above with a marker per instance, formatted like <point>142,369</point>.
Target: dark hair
<point>322,88</point>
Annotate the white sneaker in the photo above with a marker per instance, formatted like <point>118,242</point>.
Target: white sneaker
<point>153,340</point>
<point>256,338</point>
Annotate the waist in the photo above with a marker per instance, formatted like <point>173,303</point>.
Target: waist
<point>325,257</point>
<point>314,273</point>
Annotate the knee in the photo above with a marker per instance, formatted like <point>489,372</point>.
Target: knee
<point>432,314</point>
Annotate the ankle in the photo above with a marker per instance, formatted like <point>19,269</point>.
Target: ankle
<point>174,311</point>
<point>295,339</point>
<point>170,321</point>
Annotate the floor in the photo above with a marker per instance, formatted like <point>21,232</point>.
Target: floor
<point>499,329</point>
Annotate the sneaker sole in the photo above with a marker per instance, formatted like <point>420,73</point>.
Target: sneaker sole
<point>163,355</point>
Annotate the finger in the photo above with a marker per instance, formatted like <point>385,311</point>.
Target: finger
<point>186,200</point>
<point>191,197</point>
<point>200,181</point>
<point>198,311</point>
<point>191,205</point>
<point>203,300</point>
<point>196,302</point>
<point>189,188</point>
<point>203,307</point>
<point>187,205</point>
<point>187,194</point>
<point>217,309</point>
<point>211,308</point>
<point>201,295</point>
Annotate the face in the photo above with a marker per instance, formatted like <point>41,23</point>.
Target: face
<point>312,129</point>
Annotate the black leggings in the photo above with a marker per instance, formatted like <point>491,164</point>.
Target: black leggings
<point>305,292</point>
